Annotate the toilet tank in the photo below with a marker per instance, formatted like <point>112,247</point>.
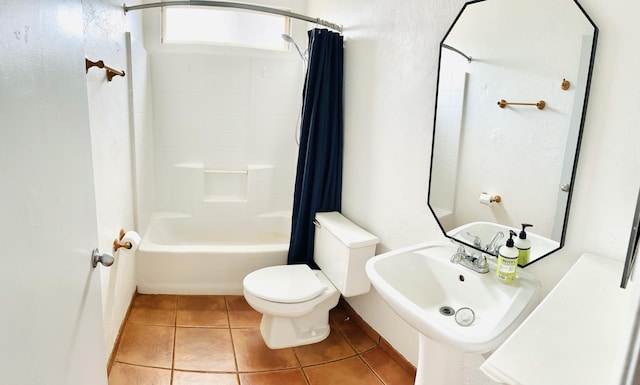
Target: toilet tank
<point>341,250</point>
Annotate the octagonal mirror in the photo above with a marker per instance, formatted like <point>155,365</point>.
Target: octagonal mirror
<point>513,84</point>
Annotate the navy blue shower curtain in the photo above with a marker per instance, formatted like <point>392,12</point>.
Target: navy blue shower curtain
<point>319,173</point>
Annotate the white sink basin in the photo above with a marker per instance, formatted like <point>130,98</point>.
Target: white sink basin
<point>419,280</point>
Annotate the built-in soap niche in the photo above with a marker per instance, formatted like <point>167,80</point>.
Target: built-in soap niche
<point>198,190</point>
<point>225,185</point>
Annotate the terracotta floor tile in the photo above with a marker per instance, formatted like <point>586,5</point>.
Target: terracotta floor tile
<point>201,302</point>
<point>204,349</point>
<point>280,377</point>
<point>254,356</point>
<point>350,371</point>
<point>334,347</point>
<point>241,314</point>
<point>155,301</point>
<point>338,313</point>
<point>153,310</point>
<point>199,378</point>
<point>202,310</point>
<point>387,368</point>
<point>217,341</point>
<point>152,316</point>
<point>357,338</point>
<point>124,374</point>
<point>147,345</point>
<point>202,318</point>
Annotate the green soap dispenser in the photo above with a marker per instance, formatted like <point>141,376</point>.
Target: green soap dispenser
<point>507,261</point>
<point>523,245</point>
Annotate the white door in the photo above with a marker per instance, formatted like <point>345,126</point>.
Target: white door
<point>50,312</point>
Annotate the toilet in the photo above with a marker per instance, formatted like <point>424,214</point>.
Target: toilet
<point>295,300</point>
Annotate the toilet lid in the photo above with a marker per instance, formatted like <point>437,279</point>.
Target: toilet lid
<point>285,283</point>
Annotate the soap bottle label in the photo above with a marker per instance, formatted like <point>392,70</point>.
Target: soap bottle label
<point>506,271</point>
<point>524,256</point>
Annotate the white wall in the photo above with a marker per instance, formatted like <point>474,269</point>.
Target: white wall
<point>391,53</point>
<point>109,115</point>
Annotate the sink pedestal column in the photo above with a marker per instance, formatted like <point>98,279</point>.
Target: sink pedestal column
<point>438,364</point>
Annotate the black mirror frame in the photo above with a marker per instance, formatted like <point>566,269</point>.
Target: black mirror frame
<point>632,250</point>
<point>579,140</point>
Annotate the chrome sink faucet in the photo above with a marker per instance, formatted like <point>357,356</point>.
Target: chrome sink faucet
<point>476,240</point>
<point>493,246</point>
<point>475,262</point>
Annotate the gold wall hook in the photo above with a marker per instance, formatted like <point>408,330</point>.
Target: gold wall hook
<point>565,84</point>
<point>540,104</point>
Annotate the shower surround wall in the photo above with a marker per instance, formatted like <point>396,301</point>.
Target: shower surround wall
<point>224,129</point>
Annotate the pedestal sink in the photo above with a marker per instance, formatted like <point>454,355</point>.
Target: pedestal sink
<point>429,292</point>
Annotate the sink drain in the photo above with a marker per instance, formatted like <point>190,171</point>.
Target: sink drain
<point>447,310</point>
<point>465,316</point>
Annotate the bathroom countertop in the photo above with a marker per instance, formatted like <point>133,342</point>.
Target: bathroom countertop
<point>577,335</point>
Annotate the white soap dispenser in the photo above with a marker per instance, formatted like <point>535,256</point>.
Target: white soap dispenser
<point>523,245</point>
<point>507,261</point>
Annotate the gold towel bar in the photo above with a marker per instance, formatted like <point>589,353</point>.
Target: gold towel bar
<point>540,104</point>
<point>111,72</point>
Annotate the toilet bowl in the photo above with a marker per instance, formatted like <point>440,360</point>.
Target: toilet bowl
<point>295,311</point>
<point>295,300</point>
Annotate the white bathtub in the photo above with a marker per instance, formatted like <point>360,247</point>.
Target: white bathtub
<point>180,254</point>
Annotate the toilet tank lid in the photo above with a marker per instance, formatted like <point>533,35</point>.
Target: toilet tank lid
<point>349,233</point>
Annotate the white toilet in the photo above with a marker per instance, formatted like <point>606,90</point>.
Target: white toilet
<point>295,300</point>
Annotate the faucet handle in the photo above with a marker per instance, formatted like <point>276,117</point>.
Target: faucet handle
<point>480,261</point>
<point>458,255</point>
<point>476,240</point>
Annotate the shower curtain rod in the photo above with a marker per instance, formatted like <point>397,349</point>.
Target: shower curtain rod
<point>457,51</point>
<point>226,4</point>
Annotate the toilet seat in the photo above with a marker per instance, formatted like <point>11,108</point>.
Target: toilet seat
<point>284,284</point>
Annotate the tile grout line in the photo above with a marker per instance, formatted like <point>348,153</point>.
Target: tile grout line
<point>233,346</point>
<point>175,335</point>
<point>371,370</point>
<point>300,367</point>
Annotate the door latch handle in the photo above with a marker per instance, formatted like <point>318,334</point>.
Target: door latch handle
<point>106,259</point>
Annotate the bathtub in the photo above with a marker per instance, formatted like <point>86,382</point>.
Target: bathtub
<point>181,254</point>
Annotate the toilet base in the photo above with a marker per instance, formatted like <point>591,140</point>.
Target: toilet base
<point>286,332</point>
